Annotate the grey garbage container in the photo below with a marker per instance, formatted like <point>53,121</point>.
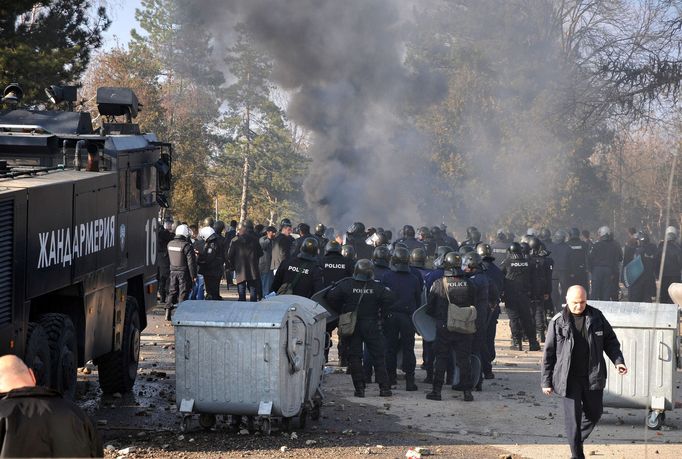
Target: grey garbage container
<point>648,333</point>
<point>254,359</point>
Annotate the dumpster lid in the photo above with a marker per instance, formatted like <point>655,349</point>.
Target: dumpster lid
<point>230,314</point>
<point>638,315</point>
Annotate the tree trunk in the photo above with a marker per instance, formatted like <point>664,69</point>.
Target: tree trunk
<point>243,208</point>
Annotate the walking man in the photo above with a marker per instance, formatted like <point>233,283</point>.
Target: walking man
<point>573,364</point>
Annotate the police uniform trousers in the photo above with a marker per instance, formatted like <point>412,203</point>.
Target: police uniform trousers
<point>558,290</point>
<point>447,342</point>
<point>367,331</point>
<point>537,311</point>
<point>582,409</point>
<point>164,279</point>
<point>517,306</point>
<point>399,331</point>
<point>180,287</point>
<point>212,286</point>
<point>602,283</point>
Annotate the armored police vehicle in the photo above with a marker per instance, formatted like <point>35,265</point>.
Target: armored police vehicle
<point>78,223</point>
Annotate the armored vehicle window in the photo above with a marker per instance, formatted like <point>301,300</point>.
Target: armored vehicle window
<point>122,191</point>
<point>148,186</point>
<point>134,188</point>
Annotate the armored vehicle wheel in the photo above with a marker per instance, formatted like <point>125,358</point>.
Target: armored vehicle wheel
<point>266,426</point>
<point>207,421</point>
<point>61,335</point>
<point>655,419</point>
<point>118,369</point>
<point>37,354</point>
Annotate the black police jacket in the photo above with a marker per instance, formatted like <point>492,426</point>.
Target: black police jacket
<point>38,422</point>
<point>335,267</point>
<point>517,272</point>
<point>556,359</point>
<point>407,289</point>
<point>182,257</point>
<point>210,259</point>
<point>605,253</point>
<point>305,275</point>
<point>362,249</point>
<point>373,297</point>
<point>461,291</point>
<point>163,237</point>
<point>541,277</point>
<point>673,260</point>
<point>577,257</point>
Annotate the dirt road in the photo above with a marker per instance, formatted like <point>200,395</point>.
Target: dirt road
<point>510,416</point>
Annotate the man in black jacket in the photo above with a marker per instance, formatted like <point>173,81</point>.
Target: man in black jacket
<point>573,364</point>
<point>183,268</point>
<point>210,262</point>
<point>242,258</point>
<point>302,273</point>
<point>281,244</point>
<point>37,421</point>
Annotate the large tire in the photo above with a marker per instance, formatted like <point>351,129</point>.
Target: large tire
<point>61,335</point>
<point>37,355</point>
<point>118,370</point>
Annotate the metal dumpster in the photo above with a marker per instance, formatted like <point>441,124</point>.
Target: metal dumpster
<point>254,359</point>
<point>648,334</point>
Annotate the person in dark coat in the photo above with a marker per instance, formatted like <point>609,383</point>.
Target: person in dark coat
<point>242,258</point>
<point>39,422</point>
<point>604,263</point>
<point>281,244</point>
<point>302,273</point>
<point>560,252</point>
<point>496,287</point>
<point>267,274</point>
<point>183,268</point>
<point>672,266</point>
<point>355,237</point>
<point>163,237</point>
<point>334,268</point>
<point>573,364</point>
<point>644,288</point>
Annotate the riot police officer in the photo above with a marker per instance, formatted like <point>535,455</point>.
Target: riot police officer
<point>499,247</point>
<point>399,329</point>
<point>604,262</point>
<point>496,287</point>
<point>424,236</point>
<point>456,289</point>
<point>356,239</point>
<point>322,241</point>
<point>576,266</point>
<point>334,265</point>
<point>210,262</point>
<point>163,237</point>
<point>371,300</point>
<point>472,264</point>
<point>672,265</point>
<point>349,252</point>
<point>517,287</point>
<point>418,261</point>
<point>302,273</point>
<point>541,286</point>
<point>560,251</point>
<point>644,288</point>
<point>381,259</point>
<point>408,239</point>
<point>183,268</point>
<point>473,238</point>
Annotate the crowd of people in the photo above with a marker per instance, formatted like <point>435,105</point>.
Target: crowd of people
<point>384,281</point>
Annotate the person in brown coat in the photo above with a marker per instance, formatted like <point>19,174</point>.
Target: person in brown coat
<point>242,258</point>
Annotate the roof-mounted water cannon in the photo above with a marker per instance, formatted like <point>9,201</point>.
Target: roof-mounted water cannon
<point>12,95</point>
<point>58,94</point>
<point>113,102</point>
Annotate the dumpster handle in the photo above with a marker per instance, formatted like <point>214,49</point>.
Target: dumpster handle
<point>186,349</point>
<point>266,352</point>
<point>661,347</point>
<point>317,347</point>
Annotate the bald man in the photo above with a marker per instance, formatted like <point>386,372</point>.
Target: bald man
<point>37,421</point>
<point>573,364</point>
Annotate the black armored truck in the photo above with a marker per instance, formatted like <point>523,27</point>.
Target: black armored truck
<point>78,224</point>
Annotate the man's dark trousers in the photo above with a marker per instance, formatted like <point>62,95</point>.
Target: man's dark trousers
<point>582,410</point>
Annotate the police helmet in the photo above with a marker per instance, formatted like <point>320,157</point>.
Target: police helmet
<point>470,230</point>
<point>308,250</point>
<point>443,249</point>
<point>219,227</point>
<point>604,232</point>
<point>208,221</point>
<point>285,222</point>
<point>472,260</point>
<point>525,248</point>
<point>475,235</point>
<point>545,234</point>
<point>389,235</point>
<point>418,257</point>
<point>381,256</point>
<point>348,251</point>
<point>332,247</point>
<point>182,230</point>
<point>574,233</point>
<point>435,231</point>
<point>356,229</point>
<point>320,229</point>
<point>452,264</point>
<point>364,270</point>
<point>484,250</point>
<point>465,249</point>
<point>206,232</point>
<point>501,235</point>
<point>400,260</point>
<point>515,248</point>
<point>671,233</point>
<point>408,231</point>
<point>534,244</point>
<point>525,239</point>
<point>399,244</point>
